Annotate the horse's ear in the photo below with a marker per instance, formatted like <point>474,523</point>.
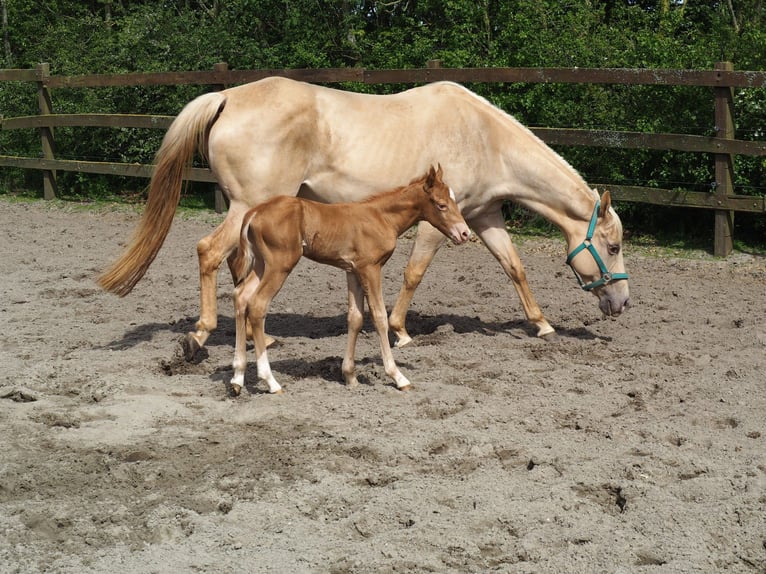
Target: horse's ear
<point>606,202</point>
<point>439,171</point>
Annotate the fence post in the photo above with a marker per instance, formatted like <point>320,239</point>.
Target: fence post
<point>724,165</point>
<point>433,64</point>
<point>220,200</point>
<point>45,106</point>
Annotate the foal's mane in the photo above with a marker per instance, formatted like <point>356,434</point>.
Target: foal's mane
<point>396,190</point>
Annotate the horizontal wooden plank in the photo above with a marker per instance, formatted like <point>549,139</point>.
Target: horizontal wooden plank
<point>19,75</point>
<point>553,136</point>
<point>88,120</point>
<point>133,79</point>
<point>212,78</point>
<point>625,76</point>
<point>655,196</point>
<point>106,168</point>
<point>319,76</point>
<point>638,140</point>
<point>676,198</point>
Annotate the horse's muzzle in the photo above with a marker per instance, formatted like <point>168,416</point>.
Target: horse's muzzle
<point>613,306</point>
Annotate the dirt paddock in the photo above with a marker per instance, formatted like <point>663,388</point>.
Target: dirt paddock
<point>628,445</point>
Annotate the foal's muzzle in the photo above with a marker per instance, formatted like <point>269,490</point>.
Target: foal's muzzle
<point>460,234</point>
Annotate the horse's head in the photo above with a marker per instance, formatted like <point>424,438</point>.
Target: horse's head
<point>597,261</point>
<point>442,211</point>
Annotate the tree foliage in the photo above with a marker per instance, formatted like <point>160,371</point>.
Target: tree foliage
<point>108,36</point>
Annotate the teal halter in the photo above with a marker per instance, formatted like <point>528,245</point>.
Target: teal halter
<point>606,276</point>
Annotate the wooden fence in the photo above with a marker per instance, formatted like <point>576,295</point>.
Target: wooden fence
<point>723,146</point>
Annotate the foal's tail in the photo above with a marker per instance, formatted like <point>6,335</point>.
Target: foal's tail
<point>187,134</point>
<point>243,261</point>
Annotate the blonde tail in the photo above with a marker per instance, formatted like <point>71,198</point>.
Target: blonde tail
<point>187,134</point>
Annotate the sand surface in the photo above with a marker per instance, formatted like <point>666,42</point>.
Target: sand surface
<point>628,445</point>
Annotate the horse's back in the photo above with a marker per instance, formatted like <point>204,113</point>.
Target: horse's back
<point>282,137</point>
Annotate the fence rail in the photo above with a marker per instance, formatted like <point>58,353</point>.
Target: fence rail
<point>723,147</point>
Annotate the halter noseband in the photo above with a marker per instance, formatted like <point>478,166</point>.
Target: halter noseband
<point>606,276</point>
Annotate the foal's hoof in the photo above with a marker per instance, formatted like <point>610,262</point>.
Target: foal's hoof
<point>190,346</point>
<point>551,337</point>
<point>402,341</point>
<point>352,382</point>
<point>235,390</point>
<point>405,388</point>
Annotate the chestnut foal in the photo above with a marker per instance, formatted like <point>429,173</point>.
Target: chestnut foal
<point>356,237</point>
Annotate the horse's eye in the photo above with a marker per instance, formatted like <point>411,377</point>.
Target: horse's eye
<point>613,248</point>
<point>442,206</point>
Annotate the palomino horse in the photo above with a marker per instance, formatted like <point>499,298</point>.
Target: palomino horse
<point>356,237</point>
<point>281,137</point>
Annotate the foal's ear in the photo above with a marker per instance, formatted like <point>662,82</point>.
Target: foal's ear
<point>606,202</point>
<point>431,177</point>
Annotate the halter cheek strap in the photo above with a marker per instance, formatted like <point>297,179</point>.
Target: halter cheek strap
<point>606,276</point>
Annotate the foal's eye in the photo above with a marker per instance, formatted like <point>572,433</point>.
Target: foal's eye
<point>442,206</point>
<point>613,248</point>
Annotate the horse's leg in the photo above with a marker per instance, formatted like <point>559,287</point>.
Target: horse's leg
<point>491,229</point>
<point>355,320</point>
<point>370,279</point>
<point>427,243</point>
<point>211,251</point>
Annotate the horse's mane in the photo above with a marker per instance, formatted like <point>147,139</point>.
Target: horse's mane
<point>484,101</point>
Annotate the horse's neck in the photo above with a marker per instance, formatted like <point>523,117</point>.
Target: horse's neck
<point>401,208</point>
<point>537,177</point>
<point>542,181</point>
<point>569,207</point>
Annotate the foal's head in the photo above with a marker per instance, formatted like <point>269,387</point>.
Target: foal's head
<point>441,210</point>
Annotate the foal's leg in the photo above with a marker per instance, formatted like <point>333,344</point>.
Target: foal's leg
<point>427,243</point>
<point>355,320</point>
<point>211,251</point>
<point>230,261</point>
<point>370,279</point>
<point>242,295</point>
<point>271,282</point>
<point>491,229</point>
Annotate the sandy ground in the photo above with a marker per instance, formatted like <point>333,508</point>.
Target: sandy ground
<point>629,445</point>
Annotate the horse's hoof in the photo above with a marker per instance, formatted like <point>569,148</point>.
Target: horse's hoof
<point>235,390</point>
<point>278,392</point>
<point>402,341</point>
<point>190,347</point>
<point>551,337</point>
<point>405,388</point>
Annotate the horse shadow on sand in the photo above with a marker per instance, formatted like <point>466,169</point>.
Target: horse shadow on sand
<point>289,325</point>
<point>425,330</point>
